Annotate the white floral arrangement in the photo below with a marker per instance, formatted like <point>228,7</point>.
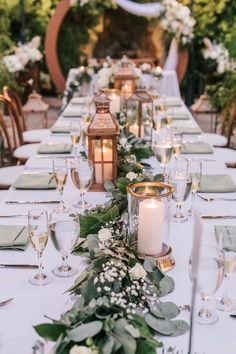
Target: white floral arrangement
<point>177,20</point>
<point>220,54</point>
<point>24,54</point>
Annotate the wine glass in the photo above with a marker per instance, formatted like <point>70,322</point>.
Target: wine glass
<point>194,169</point>
<point>177,146</point>
<point>225,302</point>
<point>181,182</point>
<point>38,235</point>
<point>207,276</point>
<point>169,117</point>
<point>60,172</point>
<point>64,235</point>
<point>75,134</point>
<point>82,174</point>
<point>163,148</point>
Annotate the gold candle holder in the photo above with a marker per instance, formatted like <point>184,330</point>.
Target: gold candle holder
<point>149,219</point>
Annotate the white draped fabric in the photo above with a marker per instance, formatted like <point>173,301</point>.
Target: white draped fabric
<point>172,58</point>
<point>148,10</point>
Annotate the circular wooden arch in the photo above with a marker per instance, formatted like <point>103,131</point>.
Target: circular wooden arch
<point>52,60</point>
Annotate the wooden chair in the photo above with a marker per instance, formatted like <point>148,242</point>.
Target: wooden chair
<point>8,175</point>
<point>28,136</point>
<point>21,151</point>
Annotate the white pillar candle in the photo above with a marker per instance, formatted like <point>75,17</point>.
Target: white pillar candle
<point>150,227</point>
<point>107,156</point>
<point>114,104</point>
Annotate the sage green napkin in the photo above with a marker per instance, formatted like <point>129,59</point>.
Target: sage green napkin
<point>61,148</point>
<point>217,184</point>
<point>60,129</point>
<point>180,116</point>
<point>188,130</point>
<point>228,233</point>
<point>13,237</point>
<point>35,181</point>
<point>73,114</point>
<point>173,101</point>
<point>196,148</point>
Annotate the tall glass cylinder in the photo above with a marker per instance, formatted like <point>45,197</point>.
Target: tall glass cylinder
<point>149,217</point>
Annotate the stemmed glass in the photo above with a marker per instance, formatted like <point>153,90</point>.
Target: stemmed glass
<point>177,146</point>
<point>82,174</point>
<point>75,134</point>
<point>225,302</point>
<point>38,234</point>
<point>163,148</point>
<point>64,235</point>
<point>207,276</point>
<point>181,182</point>
<point>194,169</point>
<point>60,172</point>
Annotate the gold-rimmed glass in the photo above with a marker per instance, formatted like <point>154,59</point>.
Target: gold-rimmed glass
<point>60,173</point>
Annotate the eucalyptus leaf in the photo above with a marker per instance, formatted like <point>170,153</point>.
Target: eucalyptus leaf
<point>132,330</point>
<point>166,310</point>
<point>84,331</point>
<point>128,342</point>
<point>88,290</point>
<point>165,327</point>
<point>150,264</point>
<point>108,345</point>
<point>166,286</point>
<point>93,245</point>
<point>109,186</point>
<point>181,327</point>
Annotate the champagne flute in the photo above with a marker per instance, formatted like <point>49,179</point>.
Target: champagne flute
<point>60,172</point>
<point>163,149</point>
<point>194,169</point>
<point>207,276</point>
<point>38,235</point>
<point>177,146</point>
<point>181,182</point>
<point>64,235</point>
<point>75,134</point>
<point>169,117</point>
<point>225,302</point>
<point>82,175</point>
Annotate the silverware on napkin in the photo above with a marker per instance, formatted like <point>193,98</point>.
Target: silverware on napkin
<point>211,199</point>
<point>13,216</point>
<point>32,202</point>
<point>19,266</point>
<point>218,216</point>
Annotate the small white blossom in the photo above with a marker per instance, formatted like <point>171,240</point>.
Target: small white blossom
<point>104,235</point>
<point>137,272</point>
<point>131,176</point>
<point>76,349</point>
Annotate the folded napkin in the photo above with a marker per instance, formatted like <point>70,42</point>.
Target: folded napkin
<point>181,116</point>
<point>35,181</point>
<point>217,184</point>
<point>228,233</point>
<point>13,237</point>
<point>173,101</point>
<point>196,148</point>
<point>61,148</point>
<point>82,100</point>
<point>60,129</point>
<point>73,114</point>
<point>188,130</point>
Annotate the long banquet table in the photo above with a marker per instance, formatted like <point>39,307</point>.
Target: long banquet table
<point>31,303</point>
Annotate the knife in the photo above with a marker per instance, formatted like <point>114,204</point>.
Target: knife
<point>32,202</point>
<point>20,266</point>
<point>218,216</point>
<point>13,216</point>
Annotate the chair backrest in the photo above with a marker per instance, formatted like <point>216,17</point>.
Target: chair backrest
<point>15,121</point>
<point>228,118</point>
<point>6,137</point>
<point>16,101</point>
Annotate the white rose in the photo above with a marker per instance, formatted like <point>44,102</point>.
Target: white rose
<point>146,67</point>
<point>131,176</point>
<point>104,235</point>
<point>76,349</point>
<point>123,141</point>
<point>137,272</point>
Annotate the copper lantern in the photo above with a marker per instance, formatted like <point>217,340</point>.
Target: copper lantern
<point>139,114</point>
<point>102,143</point>
<point>125,77</point>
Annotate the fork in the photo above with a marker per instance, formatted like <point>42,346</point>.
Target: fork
<point>6,302</point>
<point>211,199</point>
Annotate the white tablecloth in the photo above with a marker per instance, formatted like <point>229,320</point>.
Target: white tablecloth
<point>31,303</point>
